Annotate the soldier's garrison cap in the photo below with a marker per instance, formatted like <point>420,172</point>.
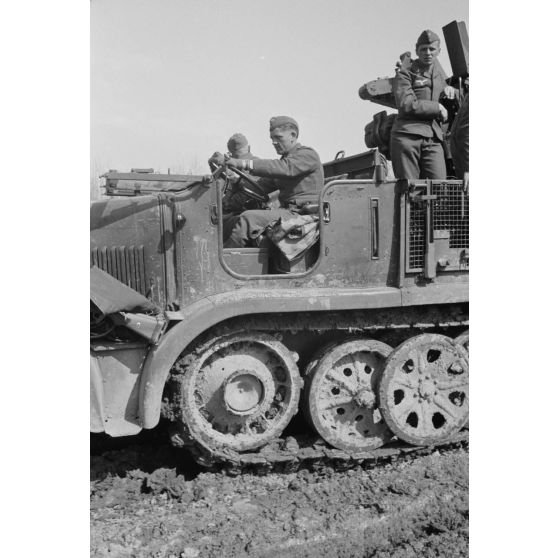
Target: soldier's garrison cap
<point>277,121</point>
<point>236,141</point>
<point>427,37</point>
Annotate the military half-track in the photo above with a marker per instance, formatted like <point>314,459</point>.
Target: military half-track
<point>354,347</point>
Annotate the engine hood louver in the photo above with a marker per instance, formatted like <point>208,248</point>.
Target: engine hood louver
<point>110,295</point>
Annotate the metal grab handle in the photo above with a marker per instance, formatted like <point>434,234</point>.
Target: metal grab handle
<point>326,212</point>
<point>375,228</point>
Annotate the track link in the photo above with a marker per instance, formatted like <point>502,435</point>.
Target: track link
<point>293,453</point>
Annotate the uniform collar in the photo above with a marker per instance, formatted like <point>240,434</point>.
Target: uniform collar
<point>295,147</point>
<point>434,69</point>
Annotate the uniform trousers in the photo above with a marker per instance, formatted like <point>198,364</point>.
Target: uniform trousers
<point>460,160</point>
<point>459,142</point>
<point>250,224</point>
<point>414,156</point>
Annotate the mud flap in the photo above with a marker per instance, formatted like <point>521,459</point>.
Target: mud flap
<point>115,373</point>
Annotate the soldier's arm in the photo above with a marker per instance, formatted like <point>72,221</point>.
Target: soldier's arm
<point>407,102</point>
<point>268,185</point>
<point>302,162</point>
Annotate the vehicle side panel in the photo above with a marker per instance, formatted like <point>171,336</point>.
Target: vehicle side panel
<point>137,258</point>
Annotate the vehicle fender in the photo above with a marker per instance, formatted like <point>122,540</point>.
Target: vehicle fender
<point>211,310</point>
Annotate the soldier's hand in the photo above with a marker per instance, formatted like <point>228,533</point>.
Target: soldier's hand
<point>443,112</point>
<point>466,182</point>
<point>404,62</point>
<point>236,163</point>
<point>449,92</point>
<point>217,158</point>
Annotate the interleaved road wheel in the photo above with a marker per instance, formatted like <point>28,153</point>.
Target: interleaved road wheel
<point>341,397</point>
<point>424,389</point>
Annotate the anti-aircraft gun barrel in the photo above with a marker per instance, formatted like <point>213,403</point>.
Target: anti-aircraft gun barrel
<point>457,43</point>
<point>379,91</point>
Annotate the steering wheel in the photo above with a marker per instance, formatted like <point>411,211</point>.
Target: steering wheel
<point>217,170</point>
<point>220,171</point>
<point>255,191</point>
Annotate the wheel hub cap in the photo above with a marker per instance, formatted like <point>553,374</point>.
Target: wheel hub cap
<point>365,398</point>
<point>243,392</point>
<point>427,389</point>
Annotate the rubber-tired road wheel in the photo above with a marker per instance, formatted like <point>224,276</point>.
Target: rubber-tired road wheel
<point>240,392</point>
<point>424,389</point>
<point>341,400</point>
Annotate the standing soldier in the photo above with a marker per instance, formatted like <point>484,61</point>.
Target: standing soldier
<point>298,175</point>
<point>416,138</point>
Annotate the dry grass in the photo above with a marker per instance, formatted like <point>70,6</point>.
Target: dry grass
<point>94,188</point>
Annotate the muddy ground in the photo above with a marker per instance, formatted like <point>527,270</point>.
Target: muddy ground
<point>148,500</point>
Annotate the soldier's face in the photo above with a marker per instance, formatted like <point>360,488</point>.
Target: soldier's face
<point>427,53</point>
<point>283,140</point>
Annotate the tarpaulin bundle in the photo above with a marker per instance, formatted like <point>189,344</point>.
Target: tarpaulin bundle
<point>295,235</point>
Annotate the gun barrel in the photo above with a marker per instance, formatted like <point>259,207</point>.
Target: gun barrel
<point>378,91</point>
<point>457,43</point>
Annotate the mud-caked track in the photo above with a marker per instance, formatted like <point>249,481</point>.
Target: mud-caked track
<point>232,394</point>
<point>150,501</point>
<point>295,496</point>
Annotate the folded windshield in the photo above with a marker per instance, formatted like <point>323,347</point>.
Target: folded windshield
<point>133,183</point>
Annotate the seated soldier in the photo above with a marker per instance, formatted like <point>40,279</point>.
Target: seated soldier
<point>235,201</point>
<point>298,175</point>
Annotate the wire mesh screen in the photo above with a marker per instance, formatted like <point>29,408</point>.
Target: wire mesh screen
<point>450,211</point>
<point>417,224</point>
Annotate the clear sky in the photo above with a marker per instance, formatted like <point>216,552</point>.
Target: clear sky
<point>171,80</point>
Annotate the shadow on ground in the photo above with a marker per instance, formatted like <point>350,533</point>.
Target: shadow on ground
<point>145,453</point>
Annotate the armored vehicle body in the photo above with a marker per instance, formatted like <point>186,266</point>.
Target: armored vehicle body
<point>358,340</point>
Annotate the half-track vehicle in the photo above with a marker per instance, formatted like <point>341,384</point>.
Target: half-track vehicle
<point>357,343</point>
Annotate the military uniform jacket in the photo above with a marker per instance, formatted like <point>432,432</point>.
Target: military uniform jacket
<point>459,143</point>
<point>298,175</point>
<point>247,157</point>
<point>417,91</point>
